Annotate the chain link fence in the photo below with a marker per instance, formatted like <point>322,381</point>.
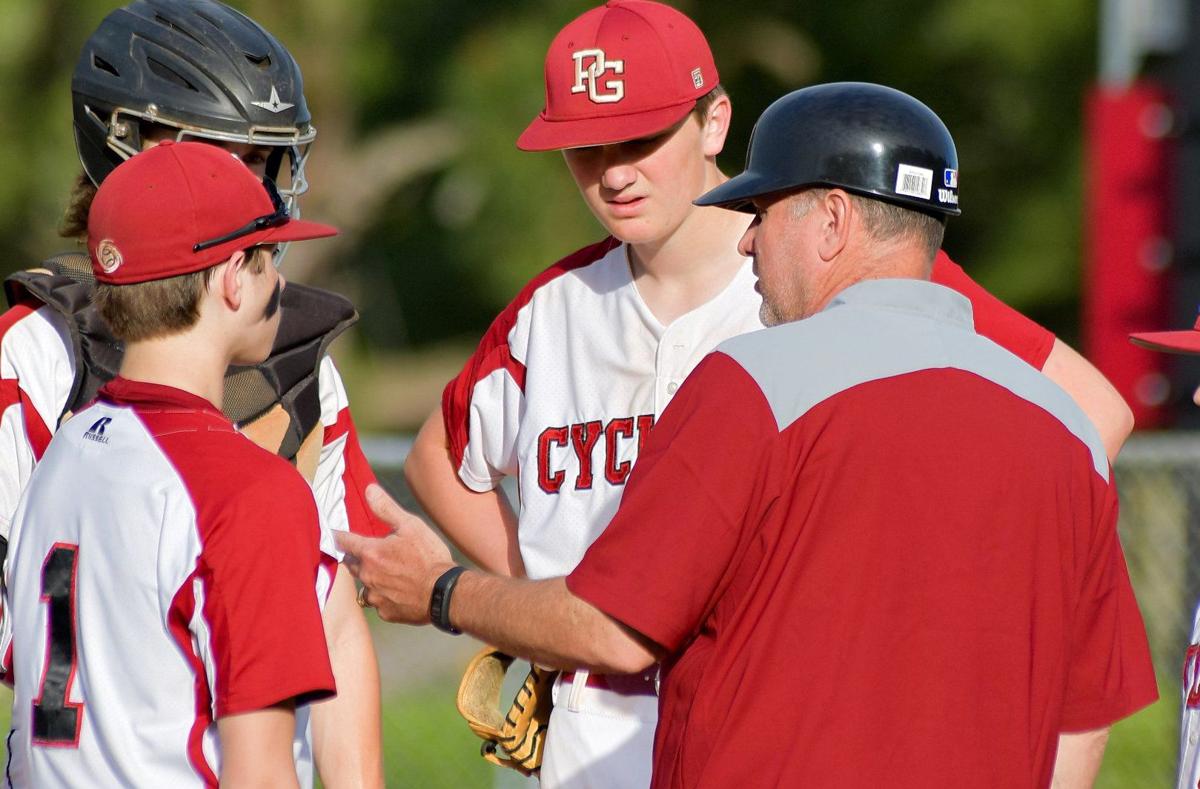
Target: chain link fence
<point>1158,477</point>
<point>427,745</point>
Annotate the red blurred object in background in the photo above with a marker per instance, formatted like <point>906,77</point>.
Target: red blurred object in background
<point>1128,249</point>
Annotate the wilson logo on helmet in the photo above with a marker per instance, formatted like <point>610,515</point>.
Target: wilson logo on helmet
<point>592,73</point>
<point>273,104</point>
<point>108,256</point>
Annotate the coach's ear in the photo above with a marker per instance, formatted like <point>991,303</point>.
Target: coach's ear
<point>833,233</point>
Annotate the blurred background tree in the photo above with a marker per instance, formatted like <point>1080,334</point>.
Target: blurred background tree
<point>418,104</point>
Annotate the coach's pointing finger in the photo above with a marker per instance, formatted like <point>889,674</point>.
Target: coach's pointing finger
<point>398,570</point>
<point>352,546</point>
<point>386,509</point>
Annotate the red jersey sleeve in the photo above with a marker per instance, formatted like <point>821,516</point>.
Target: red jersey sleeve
<point>660,565</point>
<point>259,569</point>
<point>994,319</point>
<point>486,421</point>
<point>356,475</point>
<point>1111,674</point>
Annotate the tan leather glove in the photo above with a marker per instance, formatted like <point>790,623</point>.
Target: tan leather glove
<point>514,738</point>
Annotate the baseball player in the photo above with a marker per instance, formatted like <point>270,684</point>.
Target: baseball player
<point>566,385</point>
<point>150,522</point>
<point>1185,341</point>
<point>199,70</point>
<point>822,541</point>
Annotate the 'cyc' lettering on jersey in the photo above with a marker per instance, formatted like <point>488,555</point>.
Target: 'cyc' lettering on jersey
<point>583,438</point>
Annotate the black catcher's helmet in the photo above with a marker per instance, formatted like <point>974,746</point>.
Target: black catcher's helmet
<point>867,139</point>
<point>197,66</point>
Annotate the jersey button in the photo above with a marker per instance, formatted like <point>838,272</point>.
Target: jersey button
<point>671,387</point>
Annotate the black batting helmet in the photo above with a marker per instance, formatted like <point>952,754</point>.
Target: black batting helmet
<point>867,139</point>
<point>197,66</point>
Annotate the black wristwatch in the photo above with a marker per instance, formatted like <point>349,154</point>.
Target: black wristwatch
<point>439,601</point>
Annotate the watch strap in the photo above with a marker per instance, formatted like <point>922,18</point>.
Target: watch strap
<point>439,600</point>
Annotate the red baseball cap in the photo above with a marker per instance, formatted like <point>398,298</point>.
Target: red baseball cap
<point>182,207</point>
<point>1178,341</point>
<point>625,70</point>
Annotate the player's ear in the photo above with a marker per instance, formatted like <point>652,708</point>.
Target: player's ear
<point>716,126</point>
<point>228,279</point>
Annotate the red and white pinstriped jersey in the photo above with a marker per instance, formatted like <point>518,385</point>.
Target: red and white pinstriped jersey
<point>566,384</point>
<point>163,572</point>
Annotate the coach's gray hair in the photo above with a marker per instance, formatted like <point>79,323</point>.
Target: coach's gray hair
<point>884,221</point>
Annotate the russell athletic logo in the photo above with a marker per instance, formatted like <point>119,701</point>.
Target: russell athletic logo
<point>590,67</point>
<point>96,431</point>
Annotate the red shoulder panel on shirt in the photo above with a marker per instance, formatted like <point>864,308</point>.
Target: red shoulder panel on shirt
<point>15,313</point>
<point>493,353</point>
<point>356,476</point>
<point>259,526</point>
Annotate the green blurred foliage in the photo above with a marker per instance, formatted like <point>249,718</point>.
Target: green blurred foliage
<point>442,246</point>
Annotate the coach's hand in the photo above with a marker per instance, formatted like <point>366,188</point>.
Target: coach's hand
<point>397,571</point>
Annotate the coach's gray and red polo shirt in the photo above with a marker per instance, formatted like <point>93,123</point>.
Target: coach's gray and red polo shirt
<point>881,551</point>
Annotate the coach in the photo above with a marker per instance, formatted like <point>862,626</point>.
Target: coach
<point>869,547</point>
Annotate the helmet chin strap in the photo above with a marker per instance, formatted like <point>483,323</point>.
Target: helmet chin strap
<point>297,187</point>
<point>273,161</point>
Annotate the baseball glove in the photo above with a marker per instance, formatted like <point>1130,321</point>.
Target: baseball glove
<point>514,738</point>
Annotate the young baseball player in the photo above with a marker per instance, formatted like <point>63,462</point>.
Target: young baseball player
<point>566,385</point>
<point>165,575</point>
<point>1185,341</point>
<point>199,70</point>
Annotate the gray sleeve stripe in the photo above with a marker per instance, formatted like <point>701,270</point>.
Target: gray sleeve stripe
<point>799,365</point>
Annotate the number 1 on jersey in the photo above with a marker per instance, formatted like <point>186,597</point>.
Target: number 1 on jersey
<point>56,721</point>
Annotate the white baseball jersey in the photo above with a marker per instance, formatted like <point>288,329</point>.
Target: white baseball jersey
<point>1189,728</point>
<point>561,393</point>
<point>565,388</point>
<point>163,572</point>
<point>37,369</point>
<point>36,374</point>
